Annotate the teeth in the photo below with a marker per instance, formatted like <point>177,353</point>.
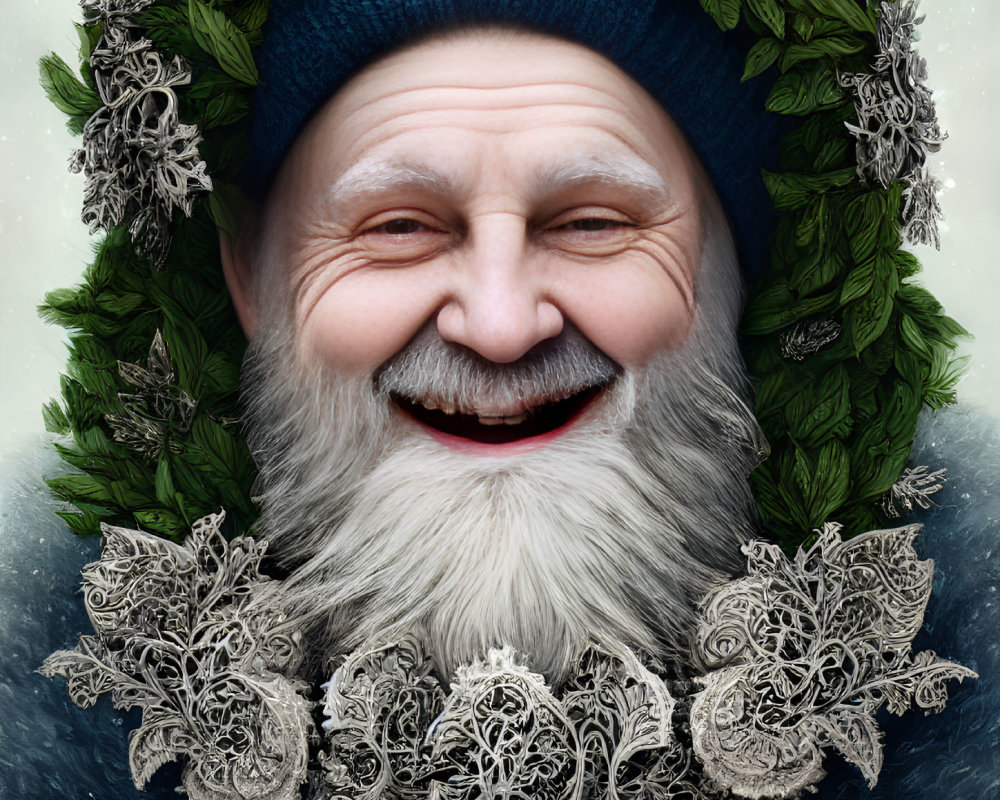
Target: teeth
<point>435,405</point>
<point>484,419</point>
<point>515,419</point>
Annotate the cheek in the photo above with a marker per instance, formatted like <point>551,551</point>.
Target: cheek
<point>632,321</point>
<point>632,310</point>
<point>367,317</point>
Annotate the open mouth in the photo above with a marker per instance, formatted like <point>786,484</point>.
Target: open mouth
<point>537,420</point>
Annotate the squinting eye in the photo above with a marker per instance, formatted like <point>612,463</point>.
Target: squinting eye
<point>592,224</point>
<point>398,227</point>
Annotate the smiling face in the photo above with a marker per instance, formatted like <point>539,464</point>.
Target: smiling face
<point>499,188</point>
<point>488,403</point>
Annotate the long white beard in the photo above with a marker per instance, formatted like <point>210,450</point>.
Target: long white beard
<point>610,533</point>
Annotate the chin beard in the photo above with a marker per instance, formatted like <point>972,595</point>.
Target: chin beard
<point>610,533</point>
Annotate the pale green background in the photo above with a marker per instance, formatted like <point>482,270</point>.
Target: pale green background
<point>44,245</point>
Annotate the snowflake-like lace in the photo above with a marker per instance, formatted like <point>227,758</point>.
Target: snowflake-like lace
<point>174,636</point>
<point>802,652</point>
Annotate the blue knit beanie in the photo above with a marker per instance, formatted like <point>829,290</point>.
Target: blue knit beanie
<point>670,47</point>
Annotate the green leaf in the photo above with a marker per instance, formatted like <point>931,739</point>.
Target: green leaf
<point>868,317</point>
<point>66,91</point>
<point>791,190</point>
<point>84,488</point>
<point>831,483</point>
<point>54,417</point>
<point>83,524</point>
<point>912,337</point>
<point>846,10</point>
<point>944,374</point>
<point>225,109</point>
<point>163,483</point>
<point>907,264</point>
<point>817,271</point>
<point>805,90</point>
<point>835,46</point>
<point>163,522</point>
<point>770,309</point>
<point>220,38</point>
<point>858,282</point>
<point>761,56</point>
<point>228,206</point>
<point>89,35</point>
<point>770,13</point>
<point>821,409</point>
<point>726,13</point>
<point>250,15</point>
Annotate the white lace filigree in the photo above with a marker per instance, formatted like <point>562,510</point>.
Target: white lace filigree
<point>897,124</point>
<point>799,655</point>
<point>174,636</point>
<point>140,162</point>
<point>379,705</point>
<point>154,406</point>
<point>802,652</point>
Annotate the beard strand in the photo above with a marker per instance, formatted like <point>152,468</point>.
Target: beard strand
<point>611,533</point>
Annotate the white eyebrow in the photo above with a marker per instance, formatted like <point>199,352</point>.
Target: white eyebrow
<point>376,175</point>
<point>631,174</point>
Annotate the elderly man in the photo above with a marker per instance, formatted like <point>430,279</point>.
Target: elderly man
<point>494,388</point>
<point>494,394</point>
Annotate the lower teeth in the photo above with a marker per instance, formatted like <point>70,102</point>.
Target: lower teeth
<point>516,419</point>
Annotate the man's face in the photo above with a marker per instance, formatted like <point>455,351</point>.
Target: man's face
<point>486,403</point>
<point>497,187</point>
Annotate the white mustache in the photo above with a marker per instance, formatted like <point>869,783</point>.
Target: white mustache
<point>442,375</point>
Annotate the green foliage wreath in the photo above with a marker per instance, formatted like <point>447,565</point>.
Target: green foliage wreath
<point>844,347</point>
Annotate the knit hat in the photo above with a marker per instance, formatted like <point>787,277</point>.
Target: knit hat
<point>673,49</point>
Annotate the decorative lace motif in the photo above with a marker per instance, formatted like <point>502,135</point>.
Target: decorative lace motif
<point>913,490</point>
<point>501,732</point>
<point>379,705</point>
<point>897,125</point>
<point>802,653</point>
<point>799,655</point>
<point>140,162</point>
<point>176,637</point>
<point>155,405</point>
<point>808,337</point>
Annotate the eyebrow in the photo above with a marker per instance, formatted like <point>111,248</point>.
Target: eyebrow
<point>372,176</point>
<point>630,174</point>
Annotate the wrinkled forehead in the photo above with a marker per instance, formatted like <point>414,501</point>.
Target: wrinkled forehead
<point>673,50</point>
<point>566,115</point>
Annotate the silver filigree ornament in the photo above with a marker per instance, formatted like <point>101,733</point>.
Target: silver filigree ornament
<point>897,124</point>
<point>379,706</point>
<point>622,714</point>
<point>140,162</point>
<point>914,490</point>
<point>501,733</point>
<point>808,337</point>
<point>175,635</point>
<point>154,407</point>
<point>803,652</point>
<point>112,10</point>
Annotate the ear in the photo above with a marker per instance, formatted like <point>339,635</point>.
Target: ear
<point>239,277</point>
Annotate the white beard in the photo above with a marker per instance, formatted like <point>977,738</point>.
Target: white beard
<point>611,533</point>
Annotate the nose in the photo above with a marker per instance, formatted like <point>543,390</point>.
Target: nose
<point>499,305</point>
